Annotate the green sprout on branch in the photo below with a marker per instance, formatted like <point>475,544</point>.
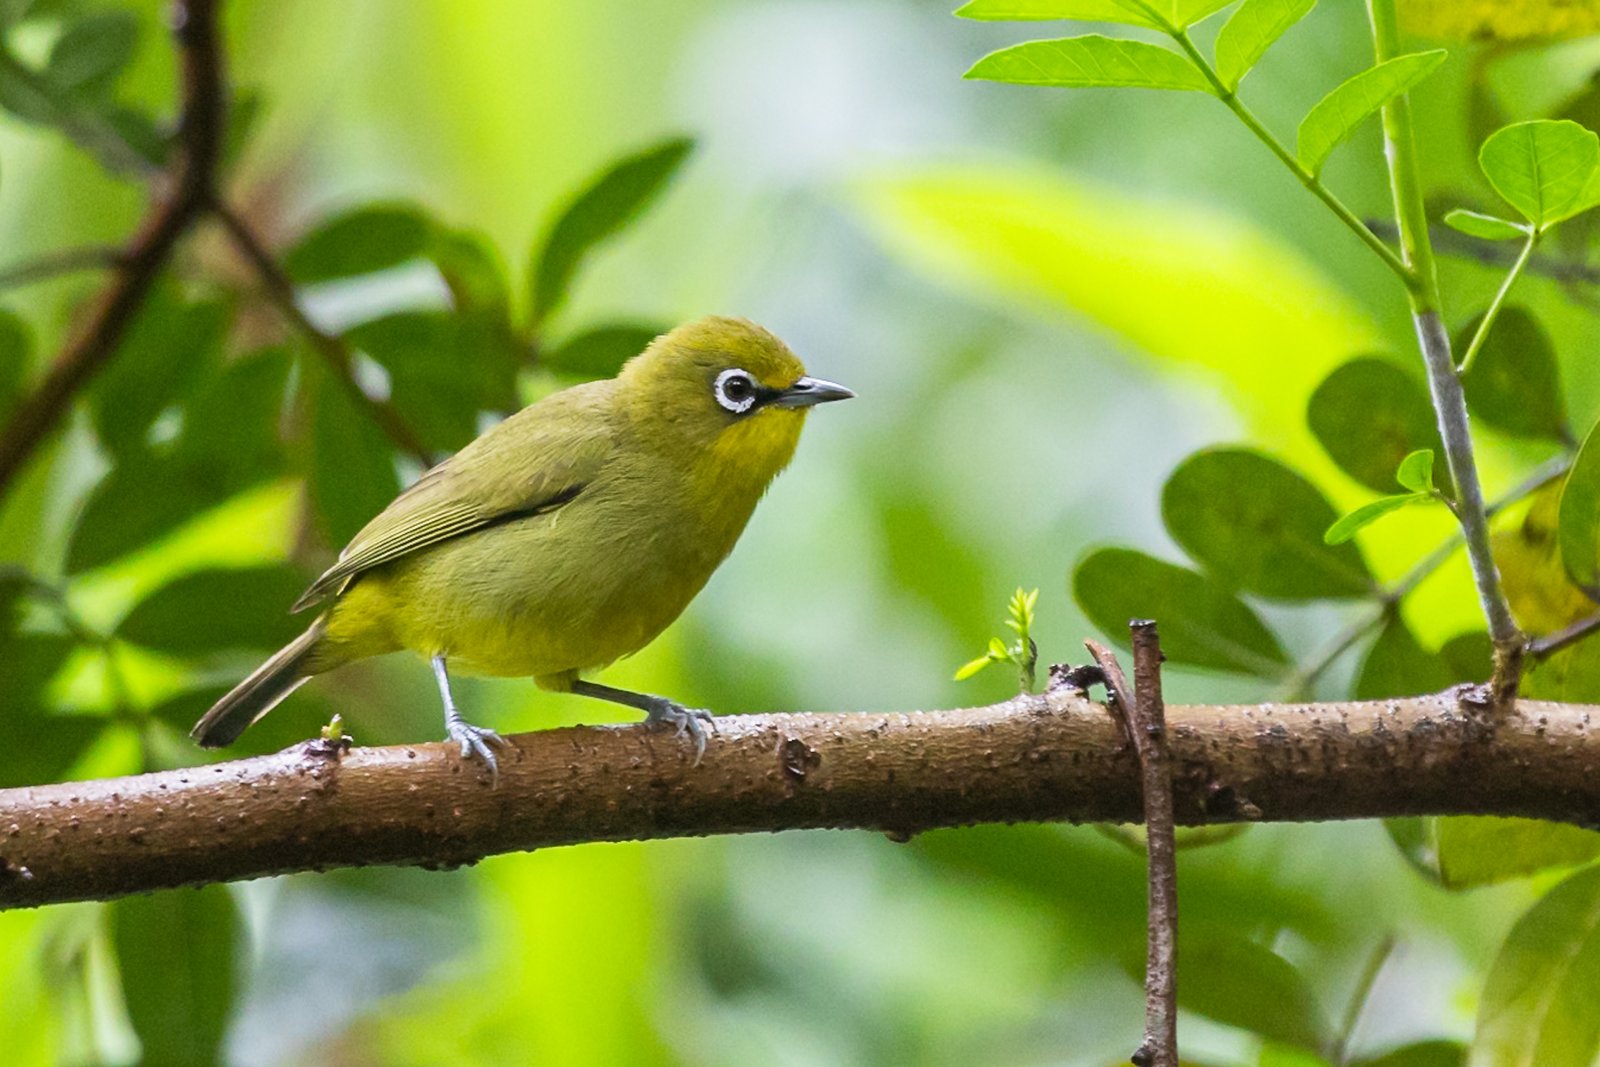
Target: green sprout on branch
<point>1022,652</point>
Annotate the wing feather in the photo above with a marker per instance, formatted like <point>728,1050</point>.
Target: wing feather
<point>537,460</point>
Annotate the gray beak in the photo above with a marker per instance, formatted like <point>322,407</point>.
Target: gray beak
<point>808,391</point>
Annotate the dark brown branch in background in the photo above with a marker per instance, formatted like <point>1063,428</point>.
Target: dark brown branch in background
<point>187,189</point>
<point>64,261</point>
<point>333,350</point>
<point>1055,757</point>
<point>1495,253</point>
<point>1549,645</point>
<point>1143,716</point>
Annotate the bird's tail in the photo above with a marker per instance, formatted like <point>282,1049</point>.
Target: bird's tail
<point>258,694</point>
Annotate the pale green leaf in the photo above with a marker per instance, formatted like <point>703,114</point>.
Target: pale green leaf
<point>1366,514</point>
<point>1253,28</point>
<point>1338,114</point>
<point>1051,10</point>
<point>971,667</point>
<point>1416,471</point>
<point>1488,227</point>
<point>1479,850</point>
<point>1578,529</point>
<point>1538,1004</point>
<point>1542,168</point>
<point>1090,61</point>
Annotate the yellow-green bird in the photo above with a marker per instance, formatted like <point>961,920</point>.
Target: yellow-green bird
<point>563,538</point>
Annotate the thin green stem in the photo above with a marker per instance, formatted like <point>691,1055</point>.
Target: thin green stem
<point>1487,322</point>
<point>1444,384</point>
<point>1287,158</point>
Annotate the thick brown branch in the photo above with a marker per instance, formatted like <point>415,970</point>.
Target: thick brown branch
<point>1034,758</point>
<point>332,350</point>
<point>188,183</point>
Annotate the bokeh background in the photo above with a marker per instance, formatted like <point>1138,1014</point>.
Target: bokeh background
<point>1044,301</point>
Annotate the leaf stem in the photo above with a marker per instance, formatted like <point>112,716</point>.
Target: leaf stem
<point>1231,98</point>
<point>1444,385</point>
<point>1493,312</point>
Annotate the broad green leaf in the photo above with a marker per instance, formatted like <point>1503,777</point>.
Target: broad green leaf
<point>36,747</point>
<point>1090,61</point>
<point>472,269</point>
<point>1578,528</point>
<point>1348,526</point>
<point>432,376</point>
<point>177,953</point>
<point>1252,29</point>
<point>1202,623</point>
<point>1338,114</point>
<point>173,345</point>
<point>600,352</point>
<point>1537,1008</point>
<point>1257,525</point>
<point>212,610</point>
<point>972,667</point>
<point>16,351</point>
<point>1413,836</point>
<point>1246,985</point>
<point>1049,10</point>
<point>1186,13</point>
<point>1491,21</point>
<point>1488,227</point>
<point>1542,168</point>
<point>1397,666</point>
<point>364,240</point>
<point>1416,471</point>
<point>352,475</point>
<point>1515,382</point>
<point>610,202</point>
<point>91,53</point>
<point>1480,850</point>
<point>1368,415</point>
<point>1421,1054</point>
<point>1468,656</point>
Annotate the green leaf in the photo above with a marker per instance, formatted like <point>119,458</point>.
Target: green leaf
<point>612,200</point>
<point>352,475</point>
<point>1043,10</point>
<point>1202,623</point>
<point>37,747</point>
<point>1538,1003</point>
<point>1257,526</point>
<point>1421,1054</point>
<point>1368,415</point>
<point>172,346</point>
<point>1488,227</point>
<point>1243,984</point>
<point>1396,665</point>
<point>1416,471</point>
<point>1515,383</point>
<point>971,667</point>
<point>1090,61</point>
<point>1252,29</point>
<point>471,268</point>
<point>601,351</point>
<point>1413,836</point>
<point>432,376</point>
<point>1186,13</point>
<point>1469,656</point>
<point>91,54</point>
<point>1338,114</point>
<point>1480,850</point>
<point>1542,168</point>
<point>177,953</point>
<point>16,351</point>
<point>212,610</point>
<point>364,240</point>
<point>1366,514</point>
<point>1578,527</point>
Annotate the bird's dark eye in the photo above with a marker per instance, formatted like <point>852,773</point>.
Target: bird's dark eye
<point>735,391</point>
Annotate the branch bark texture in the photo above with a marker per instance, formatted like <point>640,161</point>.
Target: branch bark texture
<point>1054,757</point>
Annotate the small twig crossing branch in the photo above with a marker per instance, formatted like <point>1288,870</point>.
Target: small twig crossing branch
<point>1143,715</point>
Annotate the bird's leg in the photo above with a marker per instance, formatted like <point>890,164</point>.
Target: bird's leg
<point>689,721</point>
<point>474,740</point>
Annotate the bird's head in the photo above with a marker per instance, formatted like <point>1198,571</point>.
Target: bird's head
<point>726,387</point>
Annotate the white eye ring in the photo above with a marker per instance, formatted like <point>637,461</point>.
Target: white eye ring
<point>742,384</point>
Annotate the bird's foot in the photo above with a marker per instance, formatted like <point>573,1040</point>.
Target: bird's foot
<point>477,742</point>
<point>691,721</point>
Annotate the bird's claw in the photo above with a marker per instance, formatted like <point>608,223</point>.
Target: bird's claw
<point>478,742</point>
<point>691,721</point>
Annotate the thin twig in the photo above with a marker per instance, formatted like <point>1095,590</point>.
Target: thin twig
<point>63,261</point>
<point>333,350</point>
<point>188,187</point>
<point>1550,644</point>
<point>1496,253</point>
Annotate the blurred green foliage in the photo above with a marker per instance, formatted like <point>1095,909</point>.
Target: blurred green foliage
<point>1050,352</point>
